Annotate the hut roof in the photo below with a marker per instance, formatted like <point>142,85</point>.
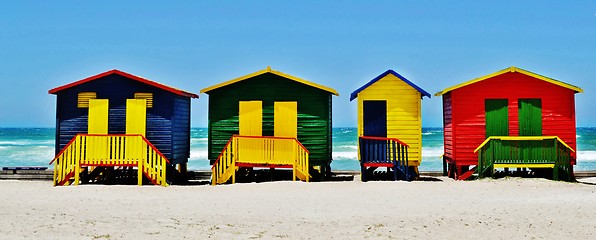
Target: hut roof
<point>130,76</point>
<point>513,69</point>
<point>269,70</point>
<point>354,94</point>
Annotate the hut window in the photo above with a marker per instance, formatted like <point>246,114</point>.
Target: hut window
<point>83,99</point>
<point>147,96</point>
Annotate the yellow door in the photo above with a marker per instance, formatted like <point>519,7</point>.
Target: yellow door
<point>251,150</point>
<point>285,124</point>
<point>251,118</point>
<point>136,116</point>
<point>285,119</point>
<point>98,116</point>
<point>97,123</point>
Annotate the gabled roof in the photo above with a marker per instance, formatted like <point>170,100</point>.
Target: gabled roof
<point>512,69</point>
<point>269,70</point>
<point>354,94</point>
<point>127,75</point>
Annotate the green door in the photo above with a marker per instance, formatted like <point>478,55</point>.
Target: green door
<point>530,117</point>
<point>497,117</point>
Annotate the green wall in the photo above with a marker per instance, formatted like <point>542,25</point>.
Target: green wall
<point>314,113</point>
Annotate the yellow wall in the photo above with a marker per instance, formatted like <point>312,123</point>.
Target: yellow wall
<point>403,113</point>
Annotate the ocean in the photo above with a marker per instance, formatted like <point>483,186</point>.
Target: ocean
<point>35,147</point>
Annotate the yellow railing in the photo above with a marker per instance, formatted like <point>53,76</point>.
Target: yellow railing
<point>260,151</point>
<point>131,150</point>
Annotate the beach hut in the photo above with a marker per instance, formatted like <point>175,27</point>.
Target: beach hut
<point>512,118</point>
<point>269,119</point>
<point>111,119</point>
<point>390,125</point>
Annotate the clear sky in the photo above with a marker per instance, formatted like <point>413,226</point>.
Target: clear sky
<point>340,44</point>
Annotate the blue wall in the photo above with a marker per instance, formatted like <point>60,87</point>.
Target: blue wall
<point>168,121</point>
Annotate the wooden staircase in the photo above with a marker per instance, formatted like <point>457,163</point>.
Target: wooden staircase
<point>391,153</point>
<point>258,151</point>
<point>533,152</point>
<point>102,151</point>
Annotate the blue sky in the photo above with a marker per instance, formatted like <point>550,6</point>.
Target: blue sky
<point>339,44</point>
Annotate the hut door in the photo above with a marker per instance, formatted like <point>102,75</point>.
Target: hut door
<point>136,116</point>
<point>251,118</point>
<point>285,124</point>
<point>98,116</point>
<point>375,118</point>
<point>285,119</point>
<point>530,117</point>
<point>497,117</point>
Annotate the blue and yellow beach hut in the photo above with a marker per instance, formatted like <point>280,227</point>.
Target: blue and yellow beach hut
<point>116,119</point>
<point>390,125</point>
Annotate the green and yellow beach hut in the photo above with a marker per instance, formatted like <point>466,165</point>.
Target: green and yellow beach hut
<point>390,125</point>
<point>269,119</point>
<point>110,123</point>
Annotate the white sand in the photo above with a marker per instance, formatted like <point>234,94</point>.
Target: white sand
<point>489,209</point>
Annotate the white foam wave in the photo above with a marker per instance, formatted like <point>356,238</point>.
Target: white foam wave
<point>345,155</point>
<point>22,142</point>
<point>586,155</point>
<point>432,151</point>
<point>198,154</point>
<point>27,155</point>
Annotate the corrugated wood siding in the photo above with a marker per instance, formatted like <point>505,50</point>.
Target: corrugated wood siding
<point>447,126</point>
<point>558,111</point>
<point>314,113</point>
<point>72,120</point>
<point>181,130</point>
<point>403,112</point>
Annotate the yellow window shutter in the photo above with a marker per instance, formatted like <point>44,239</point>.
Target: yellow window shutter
<point>146,96</point>
<point>83,99</point>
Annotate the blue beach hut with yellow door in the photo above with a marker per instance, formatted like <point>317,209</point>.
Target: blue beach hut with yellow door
<point>269,119</point>
<point>116,119</point>
<point>390,125</point>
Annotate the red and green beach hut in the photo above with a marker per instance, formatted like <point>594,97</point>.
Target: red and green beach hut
<point>390,125</point>
<point>269,119</point>
<point>510,119</point>
<point>118,120</point>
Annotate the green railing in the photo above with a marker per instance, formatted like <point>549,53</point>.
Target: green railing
<point>525,152</point>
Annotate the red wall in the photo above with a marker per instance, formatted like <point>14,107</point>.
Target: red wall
<point>468,117</point>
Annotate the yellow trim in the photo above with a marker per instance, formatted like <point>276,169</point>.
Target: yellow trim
<point>269,70</point>
<point>83,99</point>
<point>512,69</point>
<point>530,165</point>
<point>521,138</point>
<point>146,96</point>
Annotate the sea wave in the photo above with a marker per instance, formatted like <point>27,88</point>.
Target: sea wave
<point>26,156</point>
<point>586,155</point>
<point>432,151</point>
<point>345,155</point>
<point>198,154</point>
<point>24,142</point>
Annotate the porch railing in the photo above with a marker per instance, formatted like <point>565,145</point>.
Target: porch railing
<point>130,150</point>
<point>525,152</point>
<point>384,152</point>
<point>260,151</point>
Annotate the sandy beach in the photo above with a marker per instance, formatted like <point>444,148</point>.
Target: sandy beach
<point>490,209</point>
